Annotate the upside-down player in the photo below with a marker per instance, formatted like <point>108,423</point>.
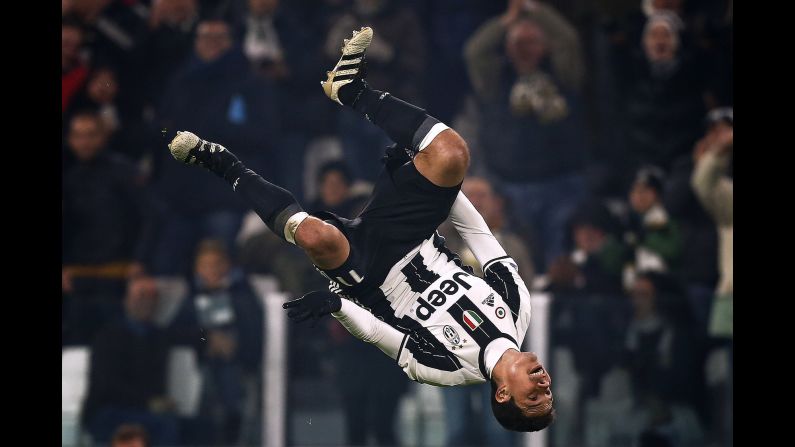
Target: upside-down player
<point>403,290</point>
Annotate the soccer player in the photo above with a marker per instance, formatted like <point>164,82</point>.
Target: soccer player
<point>403,290</point>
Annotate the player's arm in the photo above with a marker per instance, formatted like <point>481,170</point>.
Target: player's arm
<point>475,233</point>
<point>359,322</point>
<point>366,327</point>
<point>421,361</point>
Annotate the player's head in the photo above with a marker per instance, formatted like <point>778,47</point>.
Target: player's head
<point>521,398</point>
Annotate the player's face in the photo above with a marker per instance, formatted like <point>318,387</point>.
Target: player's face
<point>529,384</point>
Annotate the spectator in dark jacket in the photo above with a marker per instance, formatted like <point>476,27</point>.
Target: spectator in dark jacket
<point>110,219</point>
<point>284,45</point>
<point>120,114</point>
<point>216,96</point>
<point>166,45</point>
<point>663,354</point>
<point>531,126</point>
<point>661,92</point>
<point>127,380</point>
<point>223,310</point>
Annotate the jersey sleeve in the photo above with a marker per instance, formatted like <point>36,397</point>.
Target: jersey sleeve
<point>366,327</point>
<point>423,360</point>
<point>502,275</point>
<point>476,234</point>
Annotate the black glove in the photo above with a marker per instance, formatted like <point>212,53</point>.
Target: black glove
<point>313,305</point>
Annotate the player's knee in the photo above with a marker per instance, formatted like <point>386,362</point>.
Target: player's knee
<point>319,239</point>
<point>454,154</point>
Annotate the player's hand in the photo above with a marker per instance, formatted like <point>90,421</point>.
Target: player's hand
<point>313,306</point>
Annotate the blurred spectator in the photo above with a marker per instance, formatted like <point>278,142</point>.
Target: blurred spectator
<point>529,114</point>
<point>113,29</point>
<point>662,92</point>
<point>596,263</point>
<point>102,94</point>
<point>714,188</point>
<point>652,232</point>
<point>712,182</point>
<point>130,435</point>
<point>448,24</point>
<point>216,96</point>
<point>127,380</point>
<point>663,356</point>
<point>166,46</point>
<point>283,42</point>
<point>222,309</point>
<point>74,69</point>
<point>491,204</point>
<point>334,180</point>
<point>370,406</point>
<point>262,42</point>
<point>396,63</point>
<point>109,224</point>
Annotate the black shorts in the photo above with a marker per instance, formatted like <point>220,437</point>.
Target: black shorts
<point>404,209</point>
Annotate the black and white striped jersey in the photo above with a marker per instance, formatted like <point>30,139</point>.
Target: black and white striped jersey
<point>442,324</point>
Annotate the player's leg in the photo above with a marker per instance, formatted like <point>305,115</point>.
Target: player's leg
<point>443,156</point>
<point>325,245</point>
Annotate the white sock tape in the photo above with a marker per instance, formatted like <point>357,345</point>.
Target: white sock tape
<point>292,225</point>
<point>435,130</point>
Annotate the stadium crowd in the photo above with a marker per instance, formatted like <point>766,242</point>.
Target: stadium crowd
<point>601,135</point>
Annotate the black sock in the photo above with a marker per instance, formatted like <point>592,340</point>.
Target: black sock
<point>405,123</point>
<point>272,203</point>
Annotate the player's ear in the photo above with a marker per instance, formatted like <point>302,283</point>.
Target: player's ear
<point>502,395</point>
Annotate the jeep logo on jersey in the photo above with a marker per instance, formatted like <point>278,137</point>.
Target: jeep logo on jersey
<point>451,335</point>
<point>472,320</point>
<point>438,295</point>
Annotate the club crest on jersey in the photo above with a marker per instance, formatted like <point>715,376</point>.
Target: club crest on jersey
<point>489,301</point>
<point>451,335</point>
<point>472,319</point>
<point>500,312</point>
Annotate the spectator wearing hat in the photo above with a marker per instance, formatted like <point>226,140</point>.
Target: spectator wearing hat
<point>661,91</point>
<point>652,232</point>
<point>598,257</point>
